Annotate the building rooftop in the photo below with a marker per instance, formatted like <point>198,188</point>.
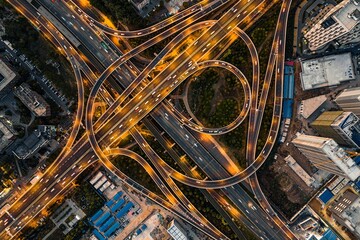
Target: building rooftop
<point>299,170</point>
<point>346,210</point>
<point>311,105</point>
<point>6,133</point>
<point>331,150</point>
<point>349,92</point>
<point>348,16</point>
<point>30,145</point>
<point>327,118</point>
<point>326,71</point>
<point>32,100</point>
<point>6,75</point>
<point>325,195</point>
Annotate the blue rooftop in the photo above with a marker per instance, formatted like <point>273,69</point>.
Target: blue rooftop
<point>98,235</point>
<point>124,210</point>
<point>287,108</point>
<point>117,205</point>
<point>96,215</point>
<point>102,219</point>
<point>326,195</point>
<point>117,196</point>
<point>111,230</point>
<point>107,224</point>
<point>110,203</point>
<point>329,235</point>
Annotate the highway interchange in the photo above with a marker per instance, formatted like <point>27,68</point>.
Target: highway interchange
<point>147,97</point>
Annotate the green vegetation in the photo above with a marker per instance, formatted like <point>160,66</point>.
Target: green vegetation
<point>202,204</point>
<point>85,195</point>
<point>135,171</point>
<point>38,232</point>
<point>28,41</point>
<point>275,192</point>
<point>213,102</point>
<point>79,229</point>
<point>120,10</point>
<point>57,235</point>
<point>226,89</point>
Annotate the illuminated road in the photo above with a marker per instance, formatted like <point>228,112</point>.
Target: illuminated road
<point>121,119</point>
<point>64,180</point>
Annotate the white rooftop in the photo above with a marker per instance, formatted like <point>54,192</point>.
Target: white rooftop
<point>352,215</point>
<point>7,73</point>
<point>311,105</point>
<point>5,136</point>
<point>344,15</point>
<point>326,71</point>
<point>299,170</point>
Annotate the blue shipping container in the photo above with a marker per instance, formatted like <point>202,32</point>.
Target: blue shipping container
<point>111,230</point>
<point>291,87</point>
<point>98,235</point>
<point>107,224</point>
<point>287,108</point>
<point>102,219</point>
<point>96,215</point>
<point>117,205</point>
<point>124,210</point>
<point>117,196</point>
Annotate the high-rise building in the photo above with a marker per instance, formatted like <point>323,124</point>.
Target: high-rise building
<point>349,100</point>
<point>346,211</point>
<point>343,127</point>
<point>176,231</point>
<point>325,154</point>
<point>338,22</point>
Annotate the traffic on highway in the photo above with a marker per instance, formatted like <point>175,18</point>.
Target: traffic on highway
<point>133,98</point>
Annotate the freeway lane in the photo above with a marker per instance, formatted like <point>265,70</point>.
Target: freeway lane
<point>63,179</point>
<point>278,52</point>
<point>158,89</point>
<point>153,28</point>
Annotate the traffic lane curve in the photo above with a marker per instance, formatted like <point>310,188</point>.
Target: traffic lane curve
<point>146,92</point>
<point>280,49</point>
<point>151,154</point>
<point>245,108</point>
<point>161,185</point>
<point>135,84</point>
<point>89,112</point>
<point>176,62</point>
<point>76,70</point>
<point>147,167</point>
<point>154,176</point>
<point>152,29</point>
